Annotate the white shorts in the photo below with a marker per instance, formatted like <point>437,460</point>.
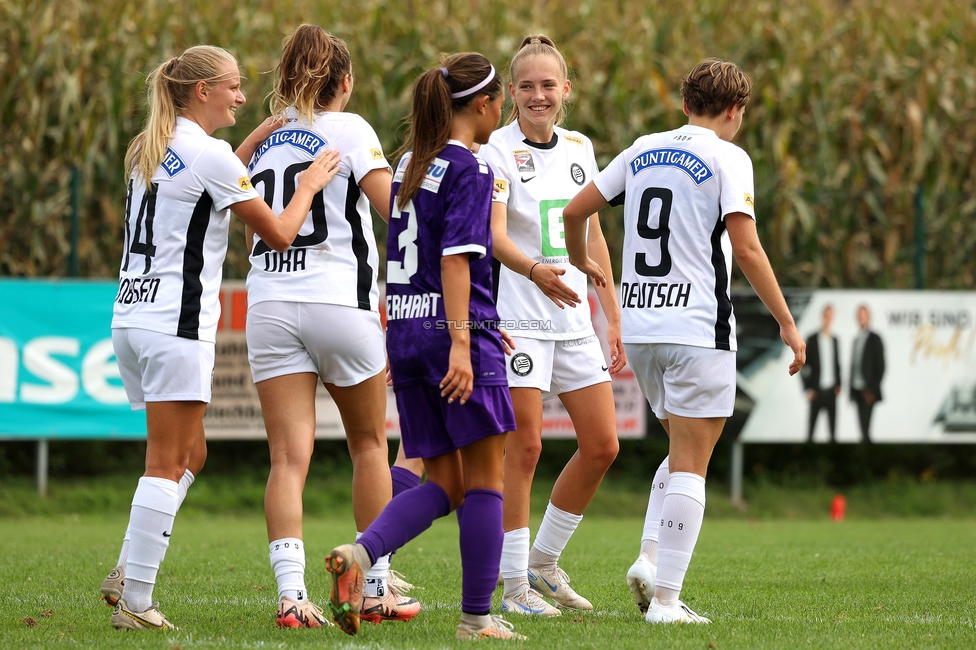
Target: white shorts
<point>159,367</point>
<point>343,345</point>
<point>685,380</point>
<point>556,367</point>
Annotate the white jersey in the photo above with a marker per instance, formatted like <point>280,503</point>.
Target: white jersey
<point>536,181</point>
<point>677,258</point>
<point>176,236</point>
<point>334,258</point>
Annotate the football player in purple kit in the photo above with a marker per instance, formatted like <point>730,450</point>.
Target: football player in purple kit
<point>446,352</point>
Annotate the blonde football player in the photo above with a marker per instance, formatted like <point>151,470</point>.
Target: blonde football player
<point>183,185</point>
<point>688,207</point>
<point>313,314</point>
<point>539,167</point>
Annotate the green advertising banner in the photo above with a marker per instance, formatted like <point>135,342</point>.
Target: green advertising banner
<point>58,374</point>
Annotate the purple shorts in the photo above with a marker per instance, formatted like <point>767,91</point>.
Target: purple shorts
<point>431,427</point>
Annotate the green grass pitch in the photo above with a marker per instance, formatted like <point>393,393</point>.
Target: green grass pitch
<point>906,583</point>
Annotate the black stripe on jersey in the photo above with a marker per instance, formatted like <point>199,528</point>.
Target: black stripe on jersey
<point>360,248</point>
<point>617,200</point>
<point>196,235</point>
<point>723,312</point>
<point>543,145</point>
<point>496,275</point>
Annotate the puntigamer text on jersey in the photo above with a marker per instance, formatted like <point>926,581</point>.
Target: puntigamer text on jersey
<point>298,138</point>
<point>683,160</point>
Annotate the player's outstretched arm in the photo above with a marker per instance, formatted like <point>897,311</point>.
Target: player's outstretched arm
<point>280,231</point>
<point>546,277</point>
<point>752,260</point>
<point>261,133</point>
<point>456,282</point>
<point>588,202</point>
<point>597,246</point>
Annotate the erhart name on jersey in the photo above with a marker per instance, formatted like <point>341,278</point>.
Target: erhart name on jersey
<point>683,160</point>
<point>133,290</point>
<point>290,260</point>
<point>641,295</point>
<point>421,305</point>
<point>298,138</point>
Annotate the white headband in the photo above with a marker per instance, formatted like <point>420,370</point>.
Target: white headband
<point>474,89</point>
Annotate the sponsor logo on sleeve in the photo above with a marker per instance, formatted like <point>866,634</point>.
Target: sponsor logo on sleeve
<point>523,160</point>
<point>402,167</point>
<point>376,154</point>
<point>435,174</point>
<point>501,185</point>
<point>172,163</point>
<point>579,176</point>
<point>574,140</point>
<point>686,161</point>
<point>747,199</point>
<point>245,183</point>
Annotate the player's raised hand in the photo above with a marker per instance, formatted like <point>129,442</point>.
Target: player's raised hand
<point>547,278</point>
<point>321,171</point>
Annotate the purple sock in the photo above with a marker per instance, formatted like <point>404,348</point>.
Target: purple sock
<point>403,480</point>
<point>405,517</point>
<point>481,549</point>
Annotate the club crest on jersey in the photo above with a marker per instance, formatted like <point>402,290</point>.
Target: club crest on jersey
<point>579,176</point>
<point>521,364</point>
<point>172,163</point>
<point>523,160</point>
<point>679,158</point>
<point>299,138</point>
<point>435,174</point>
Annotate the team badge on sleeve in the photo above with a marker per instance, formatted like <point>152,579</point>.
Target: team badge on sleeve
<point>747,199</point>
<point>376,154</point>
<point>523,160</point>
<point>245,183</point>
<point>579,176</point>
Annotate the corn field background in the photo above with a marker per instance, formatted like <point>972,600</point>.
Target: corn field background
<point>859,108</point>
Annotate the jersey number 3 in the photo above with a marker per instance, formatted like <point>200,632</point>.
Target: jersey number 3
<point>401,272</point>
<point>662,232</point>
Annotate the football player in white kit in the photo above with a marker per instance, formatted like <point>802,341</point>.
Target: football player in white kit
<point>688,207</point>
<point>313,315</point>
<point>183,185</point>
<point>539,166</point>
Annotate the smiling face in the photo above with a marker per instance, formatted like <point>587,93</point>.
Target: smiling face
<point>223,97</point>
<point>538,89</point>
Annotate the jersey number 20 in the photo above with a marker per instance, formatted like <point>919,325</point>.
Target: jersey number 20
<point>320,226</point>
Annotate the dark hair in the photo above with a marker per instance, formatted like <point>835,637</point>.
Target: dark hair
<point>310,71</point>
<point>434,109</point>
<point>537,45</point>
<point>714,86</point>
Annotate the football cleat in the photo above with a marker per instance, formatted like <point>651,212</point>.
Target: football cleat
<point>528,601</point>
<point>640,581</point>
<point>151,619</point>
<point>292,613</point>
<point>677,613</point>
<point>554,584</point>
<point>112,586</point>
<point>345,564</point>
<point>394,606</point>
<point>492,627</point>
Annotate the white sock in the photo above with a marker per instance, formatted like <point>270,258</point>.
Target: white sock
<point>556,529</point>
<point>681,520</point>
<point>652,520</point>
<point>287,557</point>
<point>151,520</point>
<point>515,559</point>
<point>185,482</point>
<point>375,583</point>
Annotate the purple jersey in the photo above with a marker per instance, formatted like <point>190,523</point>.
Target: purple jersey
<point>450,215</point>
